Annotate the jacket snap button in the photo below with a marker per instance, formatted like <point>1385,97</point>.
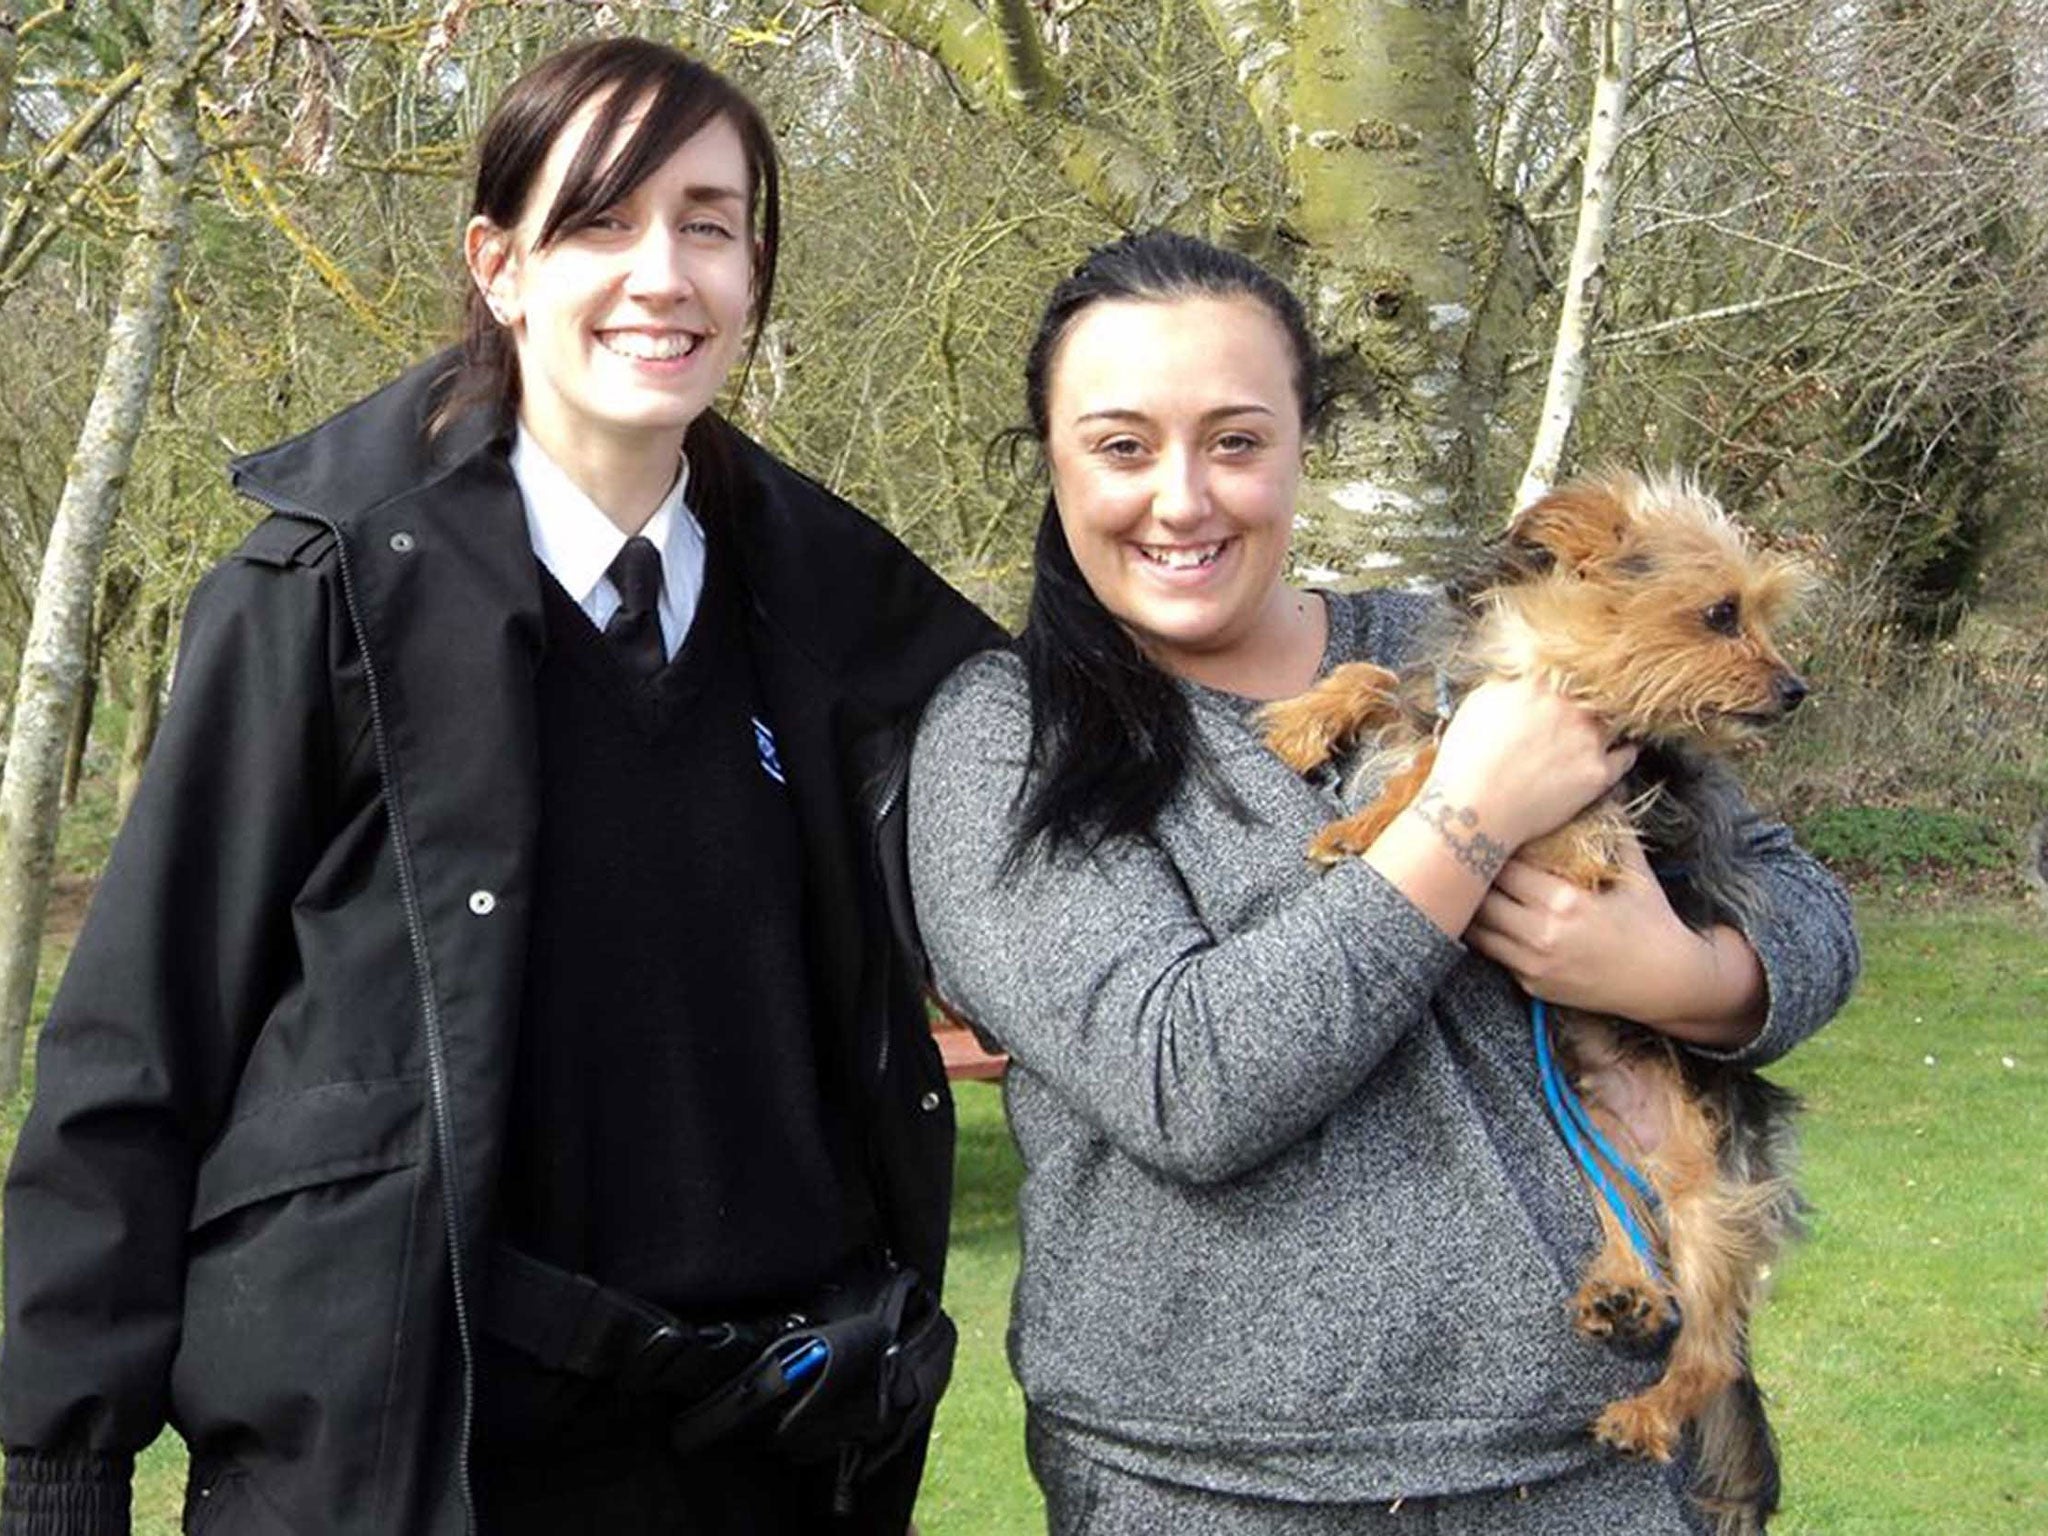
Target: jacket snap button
<point>482,903</point>
<point>401,543</point>
<point>928,1103</point>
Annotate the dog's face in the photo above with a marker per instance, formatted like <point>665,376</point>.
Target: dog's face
<point>1649,605</point>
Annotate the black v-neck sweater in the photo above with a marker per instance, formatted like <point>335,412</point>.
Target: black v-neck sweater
<point>667,1134</point>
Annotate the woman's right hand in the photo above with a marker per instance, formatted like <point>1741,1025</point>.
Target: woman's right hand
<point>1525,759</point>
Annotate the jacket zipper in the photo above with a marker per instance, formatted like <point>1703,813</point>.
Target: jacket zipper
<point>415,925</point>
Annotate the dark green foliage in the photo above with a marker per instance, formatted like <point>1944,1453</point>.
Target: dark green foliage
<point>1861,842</point>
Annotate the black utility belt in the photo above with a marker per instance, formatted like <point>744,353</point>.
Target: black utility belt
<point>853,1375</point>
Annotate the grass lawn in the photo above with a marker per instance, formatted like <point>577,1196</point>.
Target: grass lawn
<point>976,1481</point>
<point>1906,1349</point>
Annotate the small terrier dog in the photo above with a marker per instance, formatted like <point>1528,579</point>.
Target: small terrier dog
<point>1646,603</point>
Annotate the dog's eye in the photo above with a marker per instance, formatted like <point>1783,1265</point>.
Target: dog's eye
<point>1725,617</point>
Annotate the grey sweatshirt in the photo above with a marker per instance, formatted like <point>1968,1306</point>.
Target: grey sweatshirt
<point>1294,1220</point>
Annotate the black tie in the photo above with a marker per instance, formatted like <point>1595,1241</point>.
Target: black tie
<point>634,632</point>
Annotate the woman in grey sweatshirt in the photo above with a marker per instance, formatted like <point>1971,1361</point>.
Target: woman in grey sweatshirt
<point>1297,1233</point>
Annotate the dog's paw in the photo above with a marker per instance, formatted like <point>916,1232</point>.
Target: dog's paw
<point>1339,841</point>
<point>1634,1318</point>
<point>1325,850</point>
<point>1636,1426</point>
<point>1306,731</point>
<point>1300,733</point>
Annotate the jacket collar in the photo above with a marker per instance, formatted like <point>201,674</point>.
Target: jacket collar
<point>372,452</point>
<point>826,579</point>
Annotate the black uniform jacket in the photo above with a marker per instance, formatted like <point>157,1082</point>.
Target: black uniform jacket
<point>254,1193</point>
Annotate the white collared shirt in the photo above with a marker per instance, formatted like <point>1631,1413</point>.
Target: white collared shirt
<point>577,543</point>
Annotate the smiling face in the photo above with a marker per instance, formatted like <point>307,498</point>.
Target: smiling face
<point>1174,439</point>
<point>626,327</point>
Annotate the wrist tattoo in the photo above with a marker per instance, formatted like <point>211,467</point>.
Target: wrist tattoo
<point>1458,826</point>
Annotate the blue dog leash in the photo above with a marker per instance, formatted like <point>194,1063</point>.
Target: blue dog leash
<point>1566,1112</point>
<point>1577,1129</point>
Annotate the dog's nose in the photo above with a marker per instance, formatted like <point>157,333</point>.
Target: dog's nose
<point>1791,689</point>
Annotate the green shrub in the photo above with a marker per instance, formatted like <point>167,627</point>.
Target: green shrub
<point>1904,842</point>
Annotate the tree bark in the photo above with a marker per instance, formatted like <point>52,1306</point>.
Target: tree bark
<point>1531,86</point>
<point>1567,380</point>
<point>80,735</point>
<point>1253,37</point>
<point>1404,255</point>
<point>145,705</point>
<point>10,61</point>
<point>53,657</point>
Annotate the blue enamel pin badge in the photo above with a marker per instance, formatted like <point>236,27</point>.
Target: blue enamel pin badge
<point>764,745</point>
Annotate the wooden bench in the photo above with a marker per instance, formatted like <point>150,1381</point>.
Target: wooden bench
<point>963,1054</point>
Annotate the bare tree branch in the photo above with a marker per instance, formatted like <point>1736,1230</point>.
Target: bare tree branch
<point>1253,35</point>
<point>983,56</point>
<point>239,165</point>
<point>1032,83</point>
<point>1705,317</point>
<point>59,152</point>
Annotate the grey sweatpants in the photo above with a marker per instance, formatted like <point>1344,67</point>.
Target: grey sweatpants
<point>1085,1497</point>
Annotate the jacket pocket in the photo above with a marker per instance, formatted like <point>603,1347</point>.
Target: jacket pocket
<point>315,1136</point>
<point>208,1492</point>
<point>296,1265</point>
<point>225,1503</point>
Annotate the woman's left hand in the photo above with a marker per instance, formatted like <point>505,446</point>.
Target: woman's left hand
<point>1621,951</point>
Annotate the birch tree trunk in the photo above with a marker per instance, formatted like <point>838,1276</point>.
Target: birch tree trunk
<point>145,705</point>
<point>80,736</point>
<point>1531,87</point>
<point>53,658</point>
<point>1406,266</point>
<point>1567,381</point>
<point>10,62</point>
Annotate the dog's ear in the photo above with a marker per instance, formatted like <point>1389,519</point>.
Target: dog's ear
<point>1502,561</point>
<point>1576,525</point>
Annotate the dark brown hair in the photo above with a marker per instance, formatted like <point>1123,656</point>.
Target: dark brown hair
<point>676,97</point>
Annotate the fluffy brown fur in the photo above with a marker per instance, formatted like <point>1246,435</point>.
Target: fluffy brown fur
<point>1646,603</point>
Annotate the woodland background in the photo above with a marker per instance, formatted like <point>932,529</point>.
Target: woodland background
<point>1795,245</point>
